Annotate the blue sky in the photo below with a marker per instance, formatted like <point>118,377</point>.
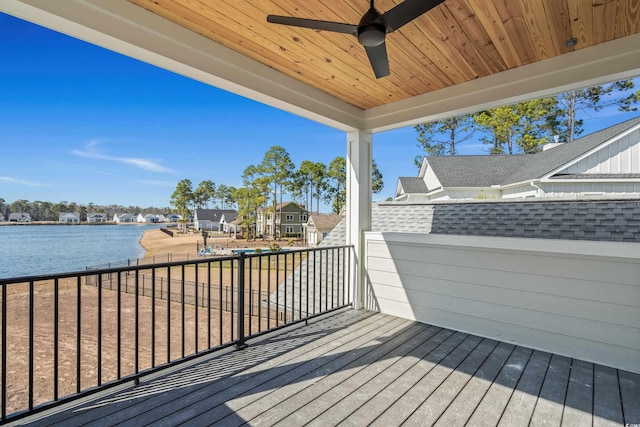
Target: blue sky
<point>80,123</point>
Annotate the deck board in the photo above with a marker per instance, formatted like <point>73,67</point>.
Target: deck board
<point>524,398</point>
<point>550,404</point>
<point>579,400</point>
<point>363,368</point>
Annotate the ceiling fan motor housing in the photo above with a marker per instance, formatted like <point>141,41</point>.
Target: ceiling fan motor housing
<point>371,35</point>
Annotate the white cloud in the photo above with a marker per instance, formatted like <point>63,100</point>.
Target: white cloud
<point>9,180</point>
<point>150,165</point>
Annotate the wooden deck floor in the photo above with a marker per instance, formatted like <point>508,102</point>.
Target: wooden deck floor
<point>362,368</point>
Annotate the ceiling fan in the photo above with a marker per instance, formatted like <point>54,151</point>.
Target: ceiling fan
<point>372,29</point>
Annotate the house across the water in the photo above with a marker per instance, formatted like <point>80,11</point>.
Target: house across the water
<point>69,218</point>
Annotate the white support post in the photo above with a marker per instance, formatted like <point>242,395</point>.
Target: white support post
<point>358,206</point>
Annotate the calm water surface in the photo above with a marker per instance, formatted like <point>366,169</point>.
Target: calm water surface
<point>27,250</point>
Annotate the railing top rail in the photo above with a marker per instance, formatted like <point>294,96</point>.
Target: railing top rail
<point>296,250</point>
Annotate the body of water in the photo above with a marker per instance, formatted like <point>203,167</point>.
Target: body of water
<point>28,250</point>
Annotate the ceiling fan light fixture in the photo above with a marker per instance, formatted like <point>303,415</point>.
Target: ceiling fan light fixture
<point>371,35</point>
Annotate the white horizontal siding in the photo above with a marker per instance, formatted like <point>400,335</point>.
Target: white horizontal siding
<point>576,298</point>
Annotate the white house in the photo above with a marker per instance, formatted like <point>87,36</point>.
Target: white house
<point>227,224</point>
<point>69,217</point>
<point>604,163</point>
<point>171,217</point>
<point>97,217</point>
<point>148,218</point>
<point>124,217</point>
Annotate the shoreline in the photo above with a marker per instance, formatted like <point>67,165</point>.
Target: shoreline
<point>38,223</point>
<point>154,242</point>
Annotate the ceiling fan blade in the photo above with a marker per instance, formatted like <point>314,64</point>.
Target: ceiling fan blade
<point>378,58</point>
<point>406,12</point>
<point>336,27</point>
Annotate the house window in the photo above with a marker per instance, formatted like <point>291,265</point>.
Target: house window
<point>303,217</point>
<point>289,217</point>
<point>288,229</point>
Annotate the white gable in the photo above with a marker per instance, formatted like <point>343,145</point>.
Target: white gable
<point>621,155</point>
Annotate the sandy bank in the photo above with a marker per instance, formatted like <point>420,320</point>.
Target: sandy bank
<point>155,242</point>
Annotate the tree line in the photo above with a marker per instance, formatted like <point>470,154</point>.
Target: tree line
<point>526,126</point>
<point>48,211</point>
<point>265,185</point>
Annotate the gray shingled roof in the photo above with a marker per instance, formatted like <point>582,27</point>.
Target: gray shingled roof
<point>484,171</point>
<point>325,221</point>
<point>413,185</point>
<point>213,214</point>
<point>598,219</point>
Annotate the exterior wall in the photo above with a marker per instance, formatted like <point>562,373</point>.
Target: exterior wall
<point>581,189</point>
<point>621,156</point>
<point>431,180</point>
<point>472,193</point>
<point>575,298</point>
<point>518,192</point>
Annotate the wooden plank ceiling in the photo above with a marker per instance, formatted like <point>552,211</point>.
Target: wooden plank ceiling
<point>457,41</point>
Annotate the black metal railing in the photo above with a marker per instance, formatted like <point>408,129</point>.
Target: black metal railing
<point>67,335</point>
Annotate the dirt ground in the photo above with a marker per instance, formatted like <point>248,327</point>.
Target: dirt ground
<point>99,316</point>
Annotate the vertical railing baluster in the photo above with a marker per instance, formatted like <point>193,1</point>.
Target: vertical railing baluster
<point>4,351</point>
<point>277,289</point>
<point>349,298</point>
<point>231,295</point>
<point>220,306</point>
<point>315,285</point>
<point>260,293</point>
<point>56,335</point>
<point>307,283</point>
<point>78,335</point>
<point>119,323</point>
<point>168,314</point>
<point>153,317</point>
<point>269,291</point>
<point>250,294</point>
<point>326,281</point>
<point>182,318</point>
<point>333,272</point>
<point>136,356</point>
<point>31,350</point>
<point>195,306</point>
<point>241,308</point>
<point>208,304</point>
<point>99,367</point>
<point>300,285</point>
<point>341,276</point>
<point>320,283</point>
<point>284,307</point>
